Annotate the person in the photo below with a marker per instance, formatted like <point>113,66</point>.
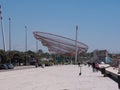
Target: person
<point>36,63</point>
<point>97,66</point>
<point>93,66</point>
<point>89,63</point>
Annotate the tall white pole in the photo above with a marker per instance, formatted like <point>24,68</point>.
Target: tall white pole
<point>25,45</point>
<point>9,34</point>
<point>36,45</point>
<point>4,45</point>
<point>76,48</point>
<point>25,38</point>
<point>9,39</point>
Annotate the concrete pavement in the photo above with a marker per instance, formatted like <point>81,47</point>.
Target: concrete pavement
<point>61,77</point>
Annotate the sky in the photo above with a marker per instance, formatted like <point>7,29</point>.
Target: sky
<point>98,22</point>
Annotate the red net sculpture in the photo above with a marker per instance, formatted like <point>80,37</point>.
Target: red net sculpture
<point>59,44</point>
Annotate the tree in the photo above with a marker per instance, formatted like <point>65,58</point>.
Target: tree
<point>40,51</point>
<point>3,56</point>
<point>17,57</point>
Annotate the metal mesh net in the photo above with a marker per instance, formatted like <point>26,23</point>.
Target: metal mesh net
<point>59,44</point>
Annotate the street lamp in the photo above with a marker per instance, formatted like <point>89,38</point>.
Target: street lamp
<point>36,62</point>
<point>25,45</point>
<point>9,39</point>
<point>4,45</point>
<point>76,48</point>
<point>36,45</point>
<point>9,34</point>
<point>25,38</point>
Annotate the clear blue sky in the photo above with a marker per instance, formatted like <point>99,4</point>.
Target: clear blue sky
<point>98,21</point>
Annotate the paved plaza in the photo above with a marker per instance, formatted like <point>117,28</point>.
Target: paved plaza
<point>61,77</point>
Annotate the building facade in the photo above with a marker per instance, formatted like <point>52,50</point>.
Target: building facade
<point>101,56</point>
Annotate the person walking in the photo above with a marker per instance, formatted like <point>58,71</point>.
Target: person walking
<point>93,66</point>
<point>36,63</point>
<point>97,67</point>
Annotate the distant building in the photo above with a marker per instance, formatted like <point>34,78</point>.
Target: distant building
<point>115,56</point>
<point>101,56</point>
<point>115,59</point>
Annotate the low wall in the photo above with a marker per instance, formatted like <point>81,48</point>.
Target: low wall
<point>112,73</point>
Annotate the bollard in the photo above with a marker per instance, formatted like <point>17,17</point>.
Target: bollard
<point>80,71</point>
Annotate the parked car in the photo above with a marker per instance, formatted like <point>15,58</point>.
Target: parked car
<point>3,66</point>
<point>10,66</point>
<point>6,66</point>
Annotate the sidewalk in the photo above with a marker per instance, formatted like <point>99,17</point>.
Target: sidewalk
<point>18,68</point>
<point>24,67</point>
<point>59,77</point>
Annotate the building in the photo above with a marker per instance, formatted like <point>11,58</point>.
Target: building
<point>101,56</point>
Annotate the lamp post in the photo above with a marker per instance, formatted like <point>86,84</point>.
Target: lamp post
<point>4,45</point>
<point>9,39</point>
<point>9,34</point>
<point>76,49</point>
<point>25,45</point>
<point>25,38</point>
<point>36,45</point>
<point>36,62</point>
